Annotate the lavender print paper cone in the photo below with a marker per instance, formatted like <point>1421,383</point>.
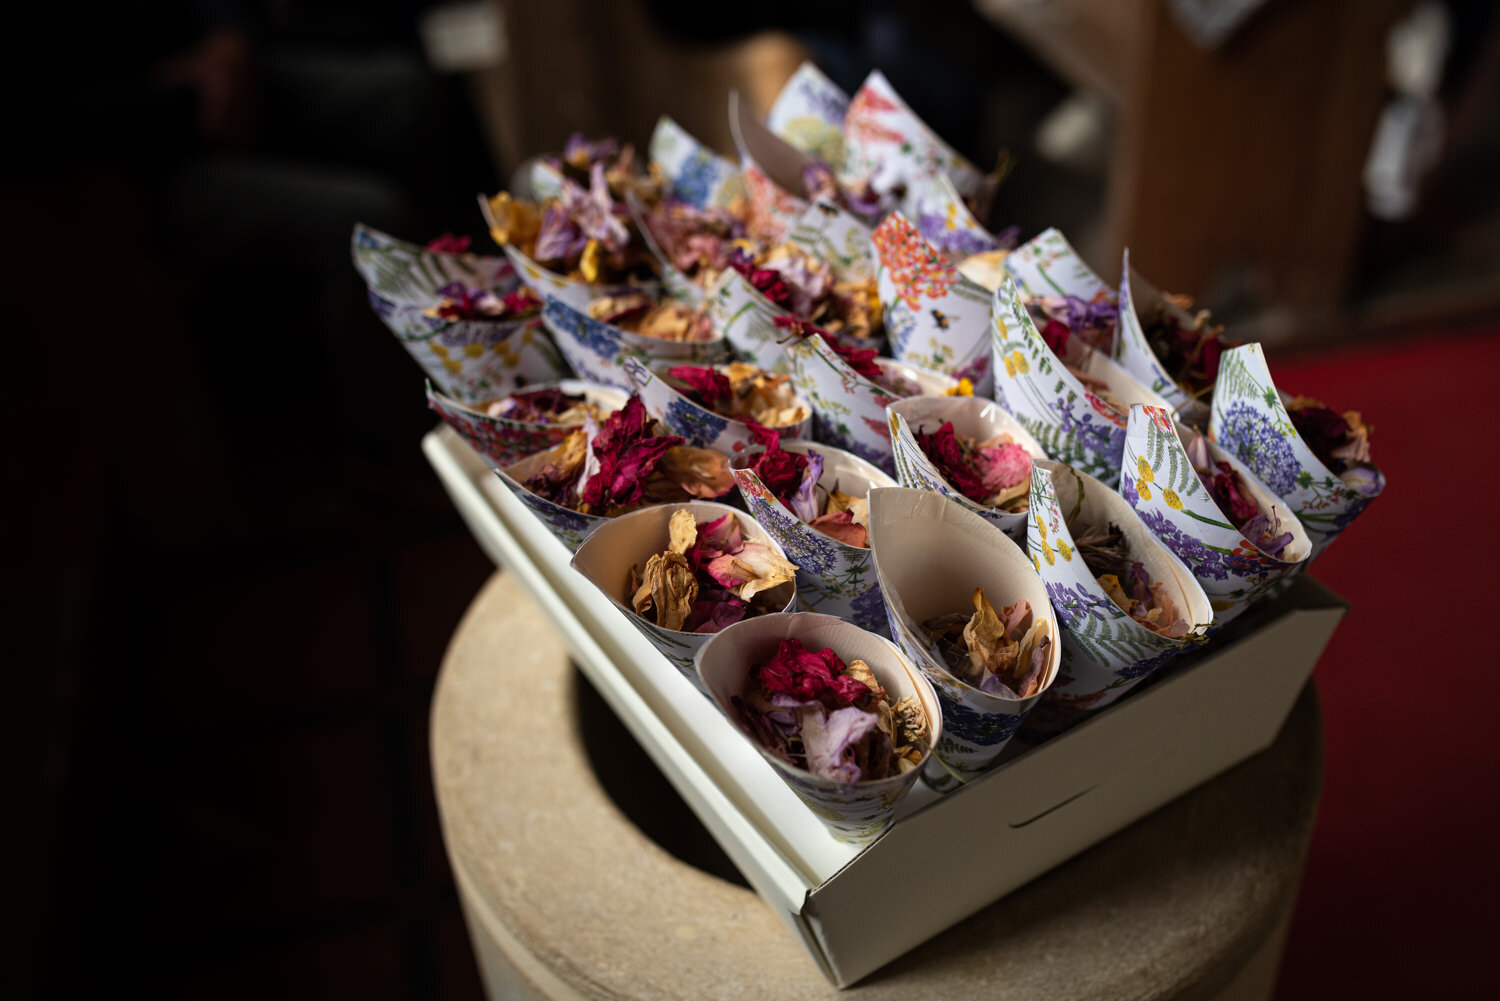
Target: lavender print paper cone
<point>698,426</point>
<point>1162,486</point>
<point>694,173</point>
<point>809,114</point>
<point>885,141</point>
<point>1250,422</point>
<point>471,360</point>
<point>1105,652</point>
<point>944,219</point>
<point>1072,423</point>
<point>849,409</point>
<point>935,317</point>
<point>607,555</point>
<point>502,441</point>
<point>570,527</point>
<point>858,812</point>
<point>597,351</point>
<point>746,320</point>
<point>832,577</point>
<point>1048,265</point>
<point>971,417</point>
<point>1134,353</point>
<point>929,555</point>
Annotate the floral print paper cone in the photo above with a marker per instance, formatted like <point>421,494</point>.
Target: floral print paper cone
<point>598,350</point>
<point>848,409</point>
<point>832,577</point>
<point>1251,423</point>
<point>859,812</point>
<point>971,417</point>
<point>694,173</point>
<point>935,317</point>
<point>929,556</point>
<point>772,171</point>
<point>809,114</point>
<point>471,360</point>
<point>1134,353</point>
<point>698,426</point>
<point>1048,265</point>
<point>942,217</point>
<point>1105,652</point>
<point>833,235</point>
<point>1071,422</point>
<point>673,280</point>
<point>1160,483</point>
<point>607,555</point>
<point>885,141</point>
<point>746,320</point>
<point>502,441</point>
<point>570,527</point>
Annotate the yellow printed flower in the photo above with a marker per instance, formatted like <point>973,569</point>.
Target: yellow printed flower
<point>1041,526</point>
<point>588,264</point>
<point>1065,551</point>
<point>528,335</point>
<point>439,350</point>
<point>895,423</point>
<point>1143,471</point>
<point>474,350</point>
<point>1010,367</point>
<point>498,348</point>
<point>1144,489</point>
<point>964,388</point>
<point>1047,554</point>
<point>1173,501</point>
<point>1036,563</point>
<point>452,366</point>
<point>1021,364</point>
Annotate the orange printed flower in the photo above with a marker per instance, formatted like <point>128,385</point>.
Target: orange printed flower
<point>915,268</point>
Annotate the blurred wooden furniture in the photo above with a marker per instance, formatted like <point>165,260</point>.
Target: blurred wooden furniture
<point>1236,169</point>
<point>566,898</point>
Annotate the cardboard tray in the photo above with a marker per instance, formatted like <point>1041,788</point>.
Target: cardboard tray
<point>1039,807</point>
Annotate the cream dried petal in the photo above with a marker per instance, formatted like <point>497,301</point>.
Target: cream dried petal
<point>860,671</point>
<point>682,531</point>
<point>672,589</point>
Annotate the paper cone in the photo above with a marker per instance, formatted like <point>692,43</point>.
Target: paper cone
<point>545,181</point>
<point>501,441</point>
<point>1252,424</point>
<point>832,577</point>
<point>935,317</point>
<point>836,237</point>
<point>1105,652</point>
<point>848,409</point>
<point>607,555</point>
<point>1048,265</point>
<point>598,350</point>
<point>1159,482</point>
<point>694,173</point>
<point>1071,423</point>
<point>1134,353</point>
<point>673,279</point>
<point>697,424</point>
<point>571,527</point>
<point>746,320</point>
<point>860,812</point>
<point>809,114</point>
<point>944,220</point>
<point>549,284</point>
<point>773,174</point>
<point>471,360</point>
<point>972,417</point>
<point>885,141</point>
<point>929,555</point>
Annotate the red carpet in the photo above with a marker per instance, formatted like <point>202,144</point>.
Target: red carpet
<point>1404,874</point>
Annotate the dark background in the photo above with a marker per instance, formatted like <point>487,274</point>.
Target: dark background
<point>232,576</point>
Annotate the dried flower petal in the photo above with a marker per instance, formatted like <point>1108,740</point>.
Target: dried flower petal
<point>668,589</point>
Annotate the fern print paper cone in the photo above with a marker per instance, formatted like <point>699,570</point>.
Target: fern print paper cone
<point>1072,423</point>
<point>1251,423</point>
<point>809,114</point>
<point>858,812</point>
<point>746,320</point>
<point>935,317</point>
<point>930,555</point>
<point>502,441</point>
<point>694,173</point>
<point>1134,353</point>
<point>849,409</point>
<point>836,237</point>
<point>598,350</point>
<point>1105,652</point>
<point>698,425</point>
<point>1160,483</point>
<point>470,360</point>
<point>607,555</point>
<point>971,417</point>
<point>1048,265</point>
<point>832,577</point>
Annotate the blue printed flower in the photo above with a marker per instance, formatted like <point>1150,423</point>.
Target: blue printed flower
<point>973,727</point>
<point>1101,438</point>
<point>869,611</point>
<point>698,179</point>
<point>1249,434</point>
<point>1201,558</point>
<point>900,324</point>
<point>1128,491</point>
<point>1148,665</point>
<point>1075,603</point>
<point>698,426</point>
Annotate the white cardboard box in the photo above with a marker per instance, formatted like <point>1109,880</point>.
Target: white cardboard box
<point>1039,807</point>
